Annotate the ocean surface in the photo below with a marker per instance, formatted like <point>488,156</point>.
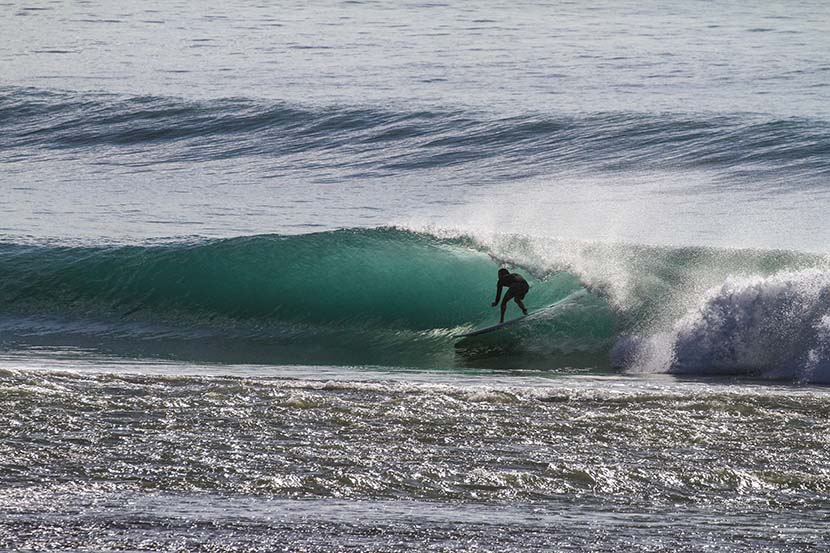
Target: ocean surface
<point>238,241</point>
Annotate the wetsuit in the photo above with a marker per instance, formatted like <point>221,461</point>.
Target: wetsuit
<point>517,287</point>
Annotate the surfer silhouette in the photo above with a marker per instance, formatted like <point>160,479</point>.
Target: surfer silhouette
<point>517,288</point>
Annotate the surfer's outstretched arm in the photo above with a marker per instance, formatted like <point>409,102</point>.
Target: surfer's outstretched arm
<point>498,295</point>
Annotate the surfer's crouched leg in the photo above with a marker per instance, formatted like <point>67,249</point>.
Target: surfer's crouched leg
<point>507,297</point>
<point>518,293</point>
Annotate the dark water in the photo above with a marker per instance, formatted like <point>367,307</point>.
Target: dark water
<point>237,242</point>
<point>382,142</point>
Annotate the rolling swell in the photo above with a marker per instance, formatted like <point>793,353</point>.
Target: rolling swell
<point>371,141</point>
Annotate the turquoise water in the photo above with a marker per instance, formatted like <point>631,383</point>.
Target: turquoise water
<point>237,242</point>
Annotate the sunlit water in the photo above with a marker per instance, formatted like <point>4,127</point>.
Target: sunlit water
<point>237,241</point>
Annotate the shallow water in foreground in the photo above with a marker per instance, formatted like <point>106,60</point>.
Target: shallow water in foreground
<point>177,456</point>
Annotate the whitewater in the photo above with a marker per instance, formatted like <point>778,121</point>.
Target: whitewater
<point>238,242</point>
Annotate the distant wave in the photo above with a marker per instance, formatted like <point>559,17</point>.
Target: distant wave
<point>383,141</point>
<point>396,297</point>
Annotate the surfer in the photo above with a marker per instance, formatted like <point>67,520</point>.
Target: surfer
<point>517,288</point>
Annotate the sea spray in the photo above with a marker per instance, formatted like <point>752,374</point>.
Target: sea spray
<point>774,326</point>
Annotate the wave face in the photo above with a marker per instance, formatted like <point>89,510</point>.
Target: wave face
<point>362,296</point>
<point>396,297</point>
<point>381,142</point>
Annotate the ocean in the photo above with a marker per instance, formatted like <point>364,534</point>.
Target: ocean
<point>239,241</point>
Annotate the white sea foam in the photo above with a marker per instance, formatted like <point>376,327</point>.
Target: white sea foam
<point>776,327</point>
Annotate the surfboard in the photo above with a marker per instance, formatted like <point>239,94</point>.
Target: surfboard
<point>531,315</point>
<point>493,328</point>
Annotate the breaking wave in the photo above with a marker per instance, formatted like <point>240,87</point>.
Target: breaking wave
<point>397,297</point>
